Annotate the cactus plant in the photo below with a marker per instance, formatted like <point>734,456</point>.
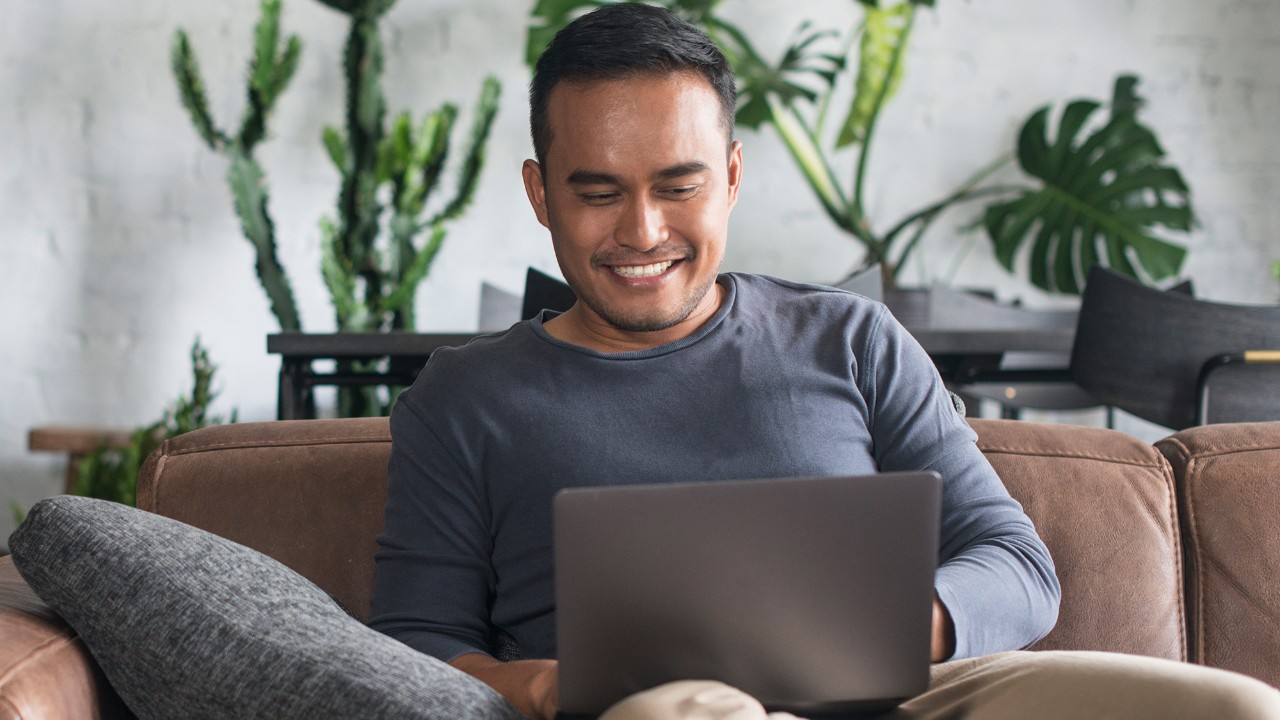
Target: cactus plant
<point>381,244</point>
<point>270,71</point>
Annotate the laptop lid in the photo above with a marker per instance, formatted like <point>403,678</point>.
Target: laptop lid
<point>813,595</point>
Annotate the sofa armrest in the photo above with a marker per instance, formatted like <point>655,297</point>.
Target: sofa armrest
<point>45,671</point>
<point>1104,504</point>
<point>1229,489</point>
<point>309,493</point>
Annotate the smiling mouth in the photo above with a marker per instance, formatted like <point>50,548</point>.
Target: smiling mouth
<point>642,271</point>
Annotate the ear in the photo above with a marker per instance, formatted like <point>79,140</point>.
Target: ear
<point>735,171</point>
<point>536,190</point>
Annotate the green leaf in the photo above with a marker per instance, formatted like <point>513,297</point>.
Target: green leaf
<point>547,18</point>
<point>266,36</point>
<point>880,68</point>
<point>191,89</point>
<point>803,70</point>
<point>336,146</point>
<point>248,186</point>
<point>339,276</point>
<point>469,174</point>
<point>1107,190</point>
<point>415,272</point>
<point>807,154</point>
<point>1125,100</point>
<point>286,67</point>
<point>430,155</point>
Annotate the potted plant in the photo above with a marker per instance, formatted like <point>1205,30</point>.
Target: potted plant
<point>385,233</point>
<point>1093,193</point>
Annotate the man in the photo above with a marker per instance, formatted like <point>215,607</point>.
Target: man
<point>666,370</point>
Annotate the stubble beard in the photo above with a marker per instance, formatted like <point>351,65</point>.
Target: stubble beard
<point>645,324</point>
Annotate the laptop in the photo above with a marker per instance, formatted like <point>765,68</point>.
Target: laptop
<point>813,595</point>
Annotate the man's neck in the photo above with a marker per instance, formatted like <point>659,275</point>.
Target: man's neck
<point>579,326</point>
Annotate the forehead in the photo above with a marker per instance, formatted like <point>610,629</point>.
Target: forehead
<point>645,117</point>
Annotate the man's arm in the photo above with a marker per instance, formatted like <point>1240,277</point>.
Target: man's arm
<point>531,685</point>
<point>433,578</point>
<point>995,583</point>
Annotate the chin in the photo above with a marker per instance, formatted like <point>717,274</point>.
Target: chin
<point>641,323</point>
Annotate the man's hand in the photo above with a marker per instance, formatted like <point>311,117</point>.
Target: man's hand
<point>531,685</point>
<point>943,644</point>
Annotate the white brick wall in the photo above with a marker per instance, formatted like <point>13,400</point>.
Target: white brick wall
<point>119,244</point>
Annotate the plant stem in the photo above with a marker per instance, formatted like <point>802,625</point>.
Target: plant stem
<point>928,215</point>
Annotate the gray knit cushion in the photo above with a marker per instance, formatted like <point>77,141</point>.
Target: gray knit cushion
<point>186,624</point>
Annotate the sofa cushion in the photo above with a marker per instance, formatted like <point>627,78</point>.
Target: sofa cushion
<point>1103,503</point>
<point>187,624</point>
<point>1230,495</point>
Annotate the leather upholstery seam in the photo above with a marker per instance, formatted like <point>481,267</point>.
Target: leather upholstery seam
<point>1154,464</point>
<point>255,444</point>
<point>1171,508</point>
<point>1190,486</point>
<point>1211,452</point>
<point>36,654</point>
<point>247,445</point>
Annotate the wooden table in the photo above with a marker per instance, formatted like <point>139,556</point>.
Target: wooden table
<point>76,442</point>
<point>403,354</point>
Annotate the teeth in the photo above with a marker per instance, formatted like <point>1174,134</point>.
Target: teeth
<point>642,271</point>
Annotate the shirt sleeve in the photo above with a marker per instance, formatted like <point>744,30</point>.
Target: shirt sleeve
<point>995,575</point>
<point>433,579</point>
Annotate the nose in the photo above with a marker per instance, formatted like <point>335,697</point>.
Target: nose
<point>642,225</point>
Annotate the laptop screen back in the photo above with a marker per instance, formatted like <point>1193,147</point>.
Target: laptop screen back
<point>810,594</point>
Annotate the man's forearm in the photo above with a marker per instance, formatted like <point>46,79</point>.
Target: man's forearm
<point>530,685</point>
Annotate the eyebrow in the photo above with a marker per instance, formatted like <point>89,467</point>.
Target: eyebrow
<point>591,177</point>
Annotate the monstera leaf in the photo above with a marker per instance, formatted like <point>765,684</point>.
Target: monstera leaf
<point>1103,196</point>
<point>803,65</point>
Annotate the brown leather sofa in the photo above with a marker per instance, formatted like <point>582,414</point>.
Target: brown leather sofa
<point>1170,551</point>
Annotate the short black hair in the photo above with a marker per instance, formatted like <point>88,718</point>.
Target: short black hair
<point>620,40</point>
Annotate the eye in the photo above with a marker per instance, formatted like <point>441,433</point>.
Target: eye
<point>598,198</point>
<point>681,192</point>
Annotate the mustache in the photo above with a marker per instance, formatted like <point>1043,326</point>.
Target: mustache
<point>661,253</point>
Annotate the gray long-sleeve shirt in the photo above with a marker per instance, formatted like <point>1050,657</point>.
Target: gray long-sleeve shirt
<point>785,380</point>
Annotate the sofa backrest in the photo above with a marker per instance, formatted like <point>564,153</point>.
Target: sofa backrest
<point>310,493</point>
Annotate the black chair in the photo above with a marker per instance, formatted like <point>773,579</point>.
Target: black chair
<point>1173,360</point>
<point>541,291</point>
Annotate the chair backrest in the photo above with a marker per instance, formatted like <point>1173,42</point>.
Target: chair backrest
<point>541,291</point>
<point>1141,350</point>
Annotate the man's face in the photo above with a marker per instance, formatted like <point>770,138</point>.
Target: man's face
<point>637,189</point>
